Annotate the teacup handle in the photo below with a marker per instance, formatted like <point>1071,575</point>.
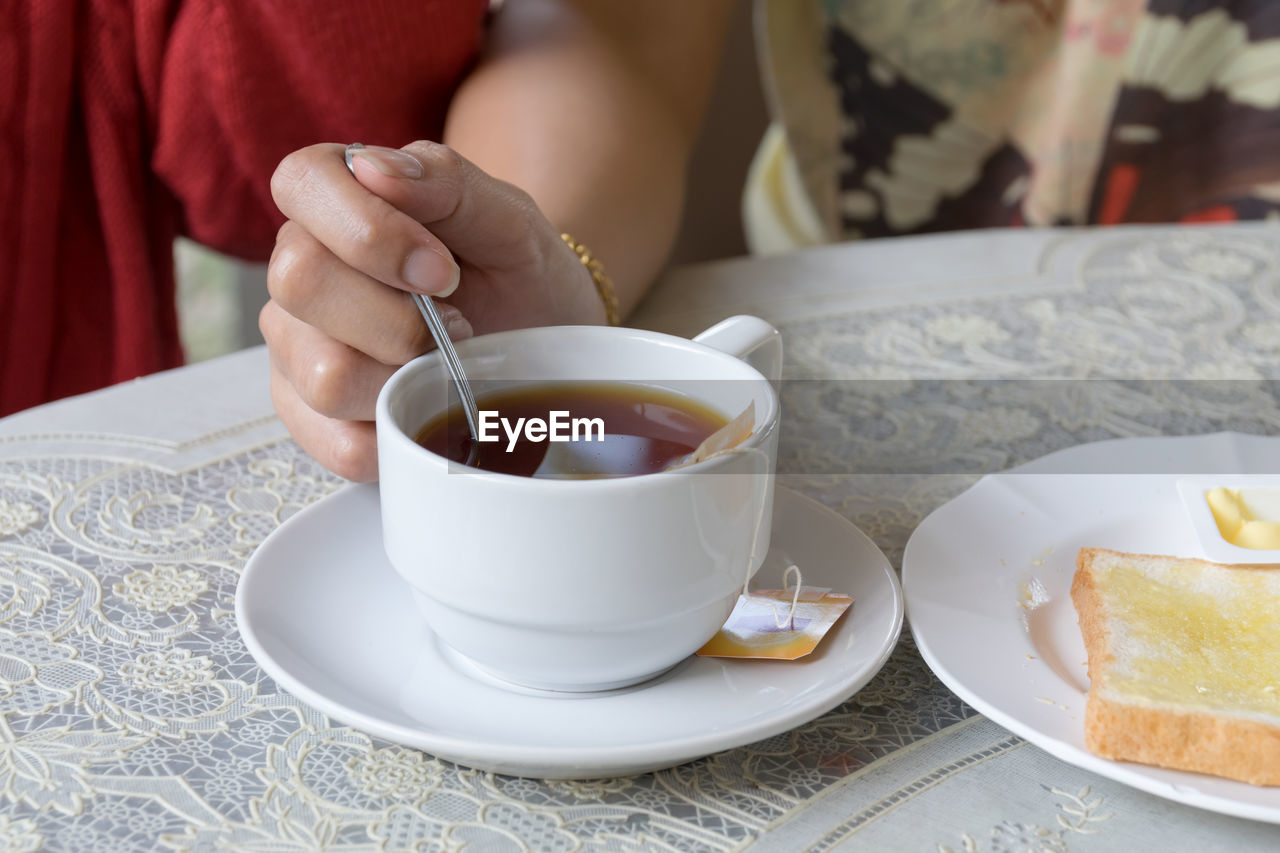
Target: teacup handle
<point>749,338</point>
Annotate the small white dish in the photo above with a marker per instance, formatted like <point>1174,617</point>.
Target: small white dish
<point>1193,490</point>
<point>987,579</point>
<point>326,616</point>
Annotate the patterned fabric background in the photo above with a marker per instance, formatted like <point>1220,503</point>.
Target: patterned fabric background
<point>936,115</point>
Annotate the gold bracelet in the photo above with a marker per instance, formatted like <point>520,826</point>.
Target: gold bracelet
<point>604,284</point>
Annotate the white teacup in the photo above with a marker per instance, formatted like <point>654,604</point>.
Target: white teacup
<point>582,584</point>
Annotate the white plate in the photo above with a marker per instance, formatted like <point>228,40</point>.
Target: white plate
<point>987,581</point>
<point>325,615</point>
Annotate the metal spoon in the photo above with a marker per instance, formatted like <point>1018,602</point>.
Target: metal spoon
<point>436,326</point>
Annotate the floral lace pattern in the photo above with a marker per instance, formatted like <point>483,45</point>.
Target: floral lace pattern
<point>133,718</point>
<point>161,588</point>
<point>16,516</point>
<point>1080,813</point>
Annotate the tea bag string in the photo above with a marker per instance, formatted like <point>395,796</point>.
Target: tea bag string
<point>789,619</point>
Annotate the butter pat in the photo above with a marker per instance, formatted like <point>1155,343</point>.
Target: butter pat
<point>1248,517</point>
<point>1235,517</point>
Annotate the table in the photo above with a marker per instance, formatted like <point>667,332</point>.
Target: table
<point>132,717</point>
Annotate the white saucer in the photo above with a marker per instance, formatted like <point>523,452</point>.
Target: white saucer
<point>325,615</point>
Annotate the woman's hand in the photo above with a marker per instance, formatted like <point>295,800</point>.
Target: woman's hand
<point>421,219</point>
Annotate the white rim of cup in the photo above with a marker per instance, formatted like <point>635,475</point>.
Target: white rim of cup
<point>422,362</point>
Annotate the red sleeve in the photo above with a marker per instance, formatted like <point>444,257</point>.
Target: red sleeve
<point>133,121</point>
<point>241,83</point>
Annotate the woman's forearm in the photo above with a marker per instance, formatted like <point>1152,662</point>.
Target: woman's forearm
<point>592,107</point>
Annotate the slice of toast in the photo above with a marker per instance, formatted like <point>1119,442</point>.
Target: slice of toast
<point>1184,662</point>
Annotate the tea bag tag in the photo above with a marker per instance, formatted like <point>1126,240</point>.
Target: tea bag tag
<point>778,624</point>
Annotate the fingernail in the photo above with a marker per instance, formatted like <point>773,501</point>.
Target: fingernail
<point>389,161</point>
<point>432,271</point>
<point>458,327</point>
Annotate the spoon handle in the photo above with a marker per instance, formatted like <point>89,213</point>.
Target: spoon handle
<point>434,325</point>
<point>450,356</point>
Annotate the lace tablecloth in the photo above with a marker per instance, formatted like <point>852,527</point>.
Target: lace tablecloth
<point>132,717</point>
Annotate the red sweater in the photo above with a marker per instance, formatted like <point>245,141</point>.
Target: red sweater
<point>124,123</point>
